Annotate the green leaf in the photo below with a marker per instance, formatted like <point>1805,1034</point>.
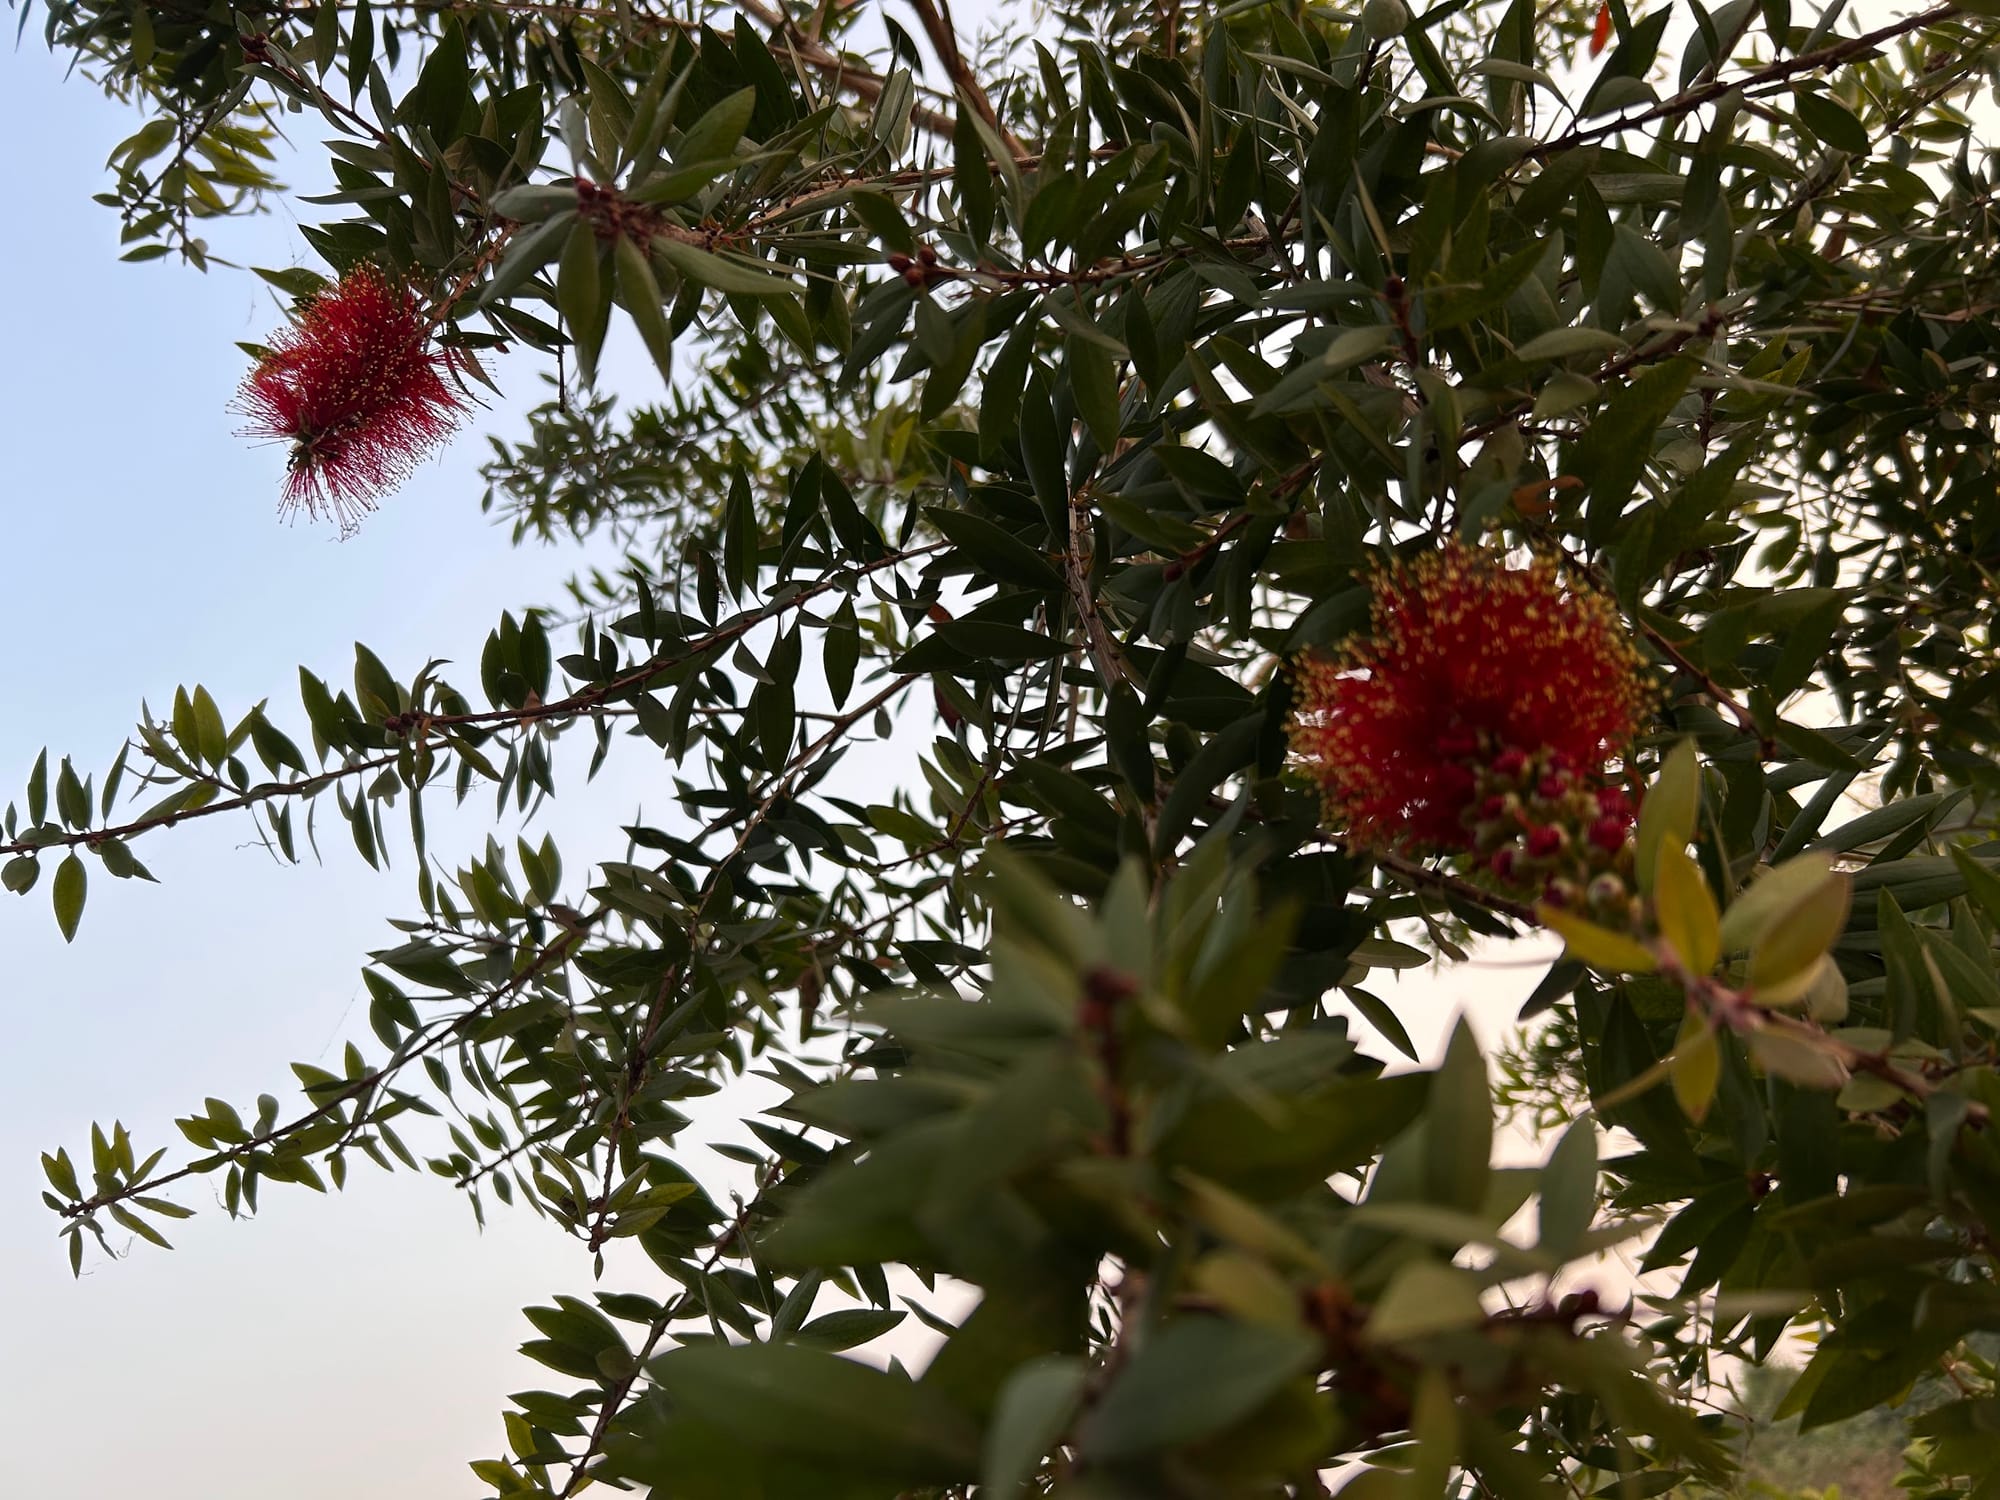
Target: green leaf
<point>1887,821</point>
<point>1423,1299</point>
<point>1448,308</point>
<point>532,202</point>
<point>1562,343</point>
<point>1831,122</point>
<point>1458,1133</point>
<point>842,652</point>
<point>210,732</point>
<point>1980,881</point>
<point>1242,1223</point>
<point>1189,1379</point>
<point>1569,1189</point>
<point>38,789</point>
<point>72,802</point>
<point>997,551</point>
<point>1093,381</point>
<point>1616,447</point>
<point>1263,1149</point>
<point>734,275</point>
<point>849,1326</point>
<point>70,883</point>
<point>374,686</point>
<point>714,137</point>
<point>1035,1408</point>
<point>582,297</point>
<point>640,294</point>
<point>815,1405</point>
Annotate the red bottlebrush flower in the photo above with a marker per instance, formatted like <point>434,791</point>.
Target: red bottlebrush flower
<point>1463,649</point>
<point>355,386</point>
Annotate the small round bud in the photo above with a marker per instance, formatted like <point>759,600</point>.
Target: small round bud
<point>1609,834</point>
<point>1545,840</point>
<point>1384,19</point>
<point>1608,893</point>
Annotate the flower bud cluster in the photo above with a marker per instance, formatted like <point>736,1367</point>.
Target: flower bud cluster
<point>1545,827</point>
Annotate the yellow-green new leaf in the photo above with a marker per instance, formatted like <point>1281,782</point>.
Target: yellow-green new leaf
<point>1685,908</point>
<point>1769,896</point>
<point>1793,942</point>
<point>1599,947</point>
<point>1826,996</point>
<point>1668,815</point>
<point>1696,1065</point>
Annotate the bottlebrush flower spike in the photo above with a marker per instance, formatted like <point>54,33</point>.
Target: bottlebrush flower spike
<point>356,388</point>
<point>1469,664</point>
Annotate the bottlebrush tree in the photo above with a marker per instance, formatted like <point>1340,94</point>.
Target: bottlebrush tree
<point>1332,486</point>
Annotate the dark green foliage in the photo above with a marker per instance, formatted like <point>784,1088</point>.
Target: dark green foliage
<point>1054,410</point>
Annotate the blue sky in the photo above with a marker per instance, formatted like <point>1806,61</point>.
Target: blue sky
<point>327,1348</point>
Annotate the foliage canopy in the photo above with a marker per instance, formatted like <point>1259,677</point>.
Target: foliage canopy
<point>1061,391</point>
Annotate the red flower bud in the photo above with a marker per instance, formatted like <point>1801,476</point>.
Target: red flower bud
<point>1609,834</point>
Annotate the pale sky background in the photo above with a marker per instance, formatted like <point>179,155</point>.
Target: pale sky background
<point>326,1348</point>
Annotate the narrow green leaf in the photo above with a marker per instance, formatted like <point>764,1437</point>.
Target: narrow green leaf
<point>70,883</point>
